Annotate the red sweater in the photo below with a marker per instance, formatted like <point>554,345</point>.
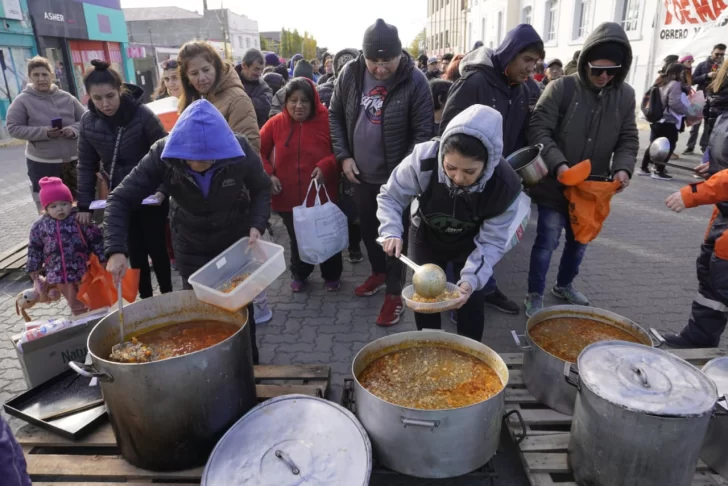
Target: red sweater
<point>292,150</point>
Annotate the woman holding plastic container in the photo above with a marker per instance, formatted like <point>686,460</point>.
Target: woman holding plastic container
<point>219,194</point>
<point>468,198</point>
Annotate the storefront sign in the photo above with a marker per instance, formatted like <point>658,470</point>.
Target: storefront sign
<point>59,18</point>
<point>690,26</point>
<point>11,10</point>
<point>136,52</point>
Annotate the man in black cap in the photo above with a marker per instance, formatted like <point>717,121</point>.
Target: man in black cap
<point>587,115</point>
<point>381,107</point>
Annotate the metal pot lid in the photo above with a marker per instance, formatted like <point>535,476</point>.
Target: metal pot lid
<point>292,440</point>
<point>645,379</point>
<point>717,370</point>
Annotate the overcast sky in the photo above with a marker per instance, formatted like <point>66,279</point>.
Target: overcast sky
<point>335,24</point>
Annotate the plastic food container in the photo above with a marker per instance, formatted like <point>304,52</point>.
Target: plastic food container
<point>433,308</point>
<point>264,263</point>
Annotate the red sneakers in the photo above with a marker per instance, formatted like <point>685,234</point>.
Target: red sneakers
<point>371,286</point>
<point>391,310</point>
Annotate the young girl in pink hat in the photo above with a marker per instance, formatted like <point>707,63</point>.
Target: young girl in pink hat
<point>60,245</point>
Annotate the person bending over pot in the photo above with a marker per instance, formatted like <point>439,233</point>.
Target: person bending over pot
<point>467,199</point>
<point>219,194</point>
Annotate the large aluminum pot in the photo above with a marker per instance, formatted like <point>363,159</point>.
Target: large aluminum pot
<point>527,162</point>
<point>169,414</point>
<point>430,443</point>
<point>543,373</point>
<point>641,416</point>
<point>715,452</point>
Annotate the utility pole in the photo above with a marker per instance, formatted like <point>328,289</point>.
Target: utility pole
<point>155,72</point>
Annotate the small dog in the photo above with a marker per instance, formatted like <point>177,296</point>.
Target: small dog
<point>39,294</point>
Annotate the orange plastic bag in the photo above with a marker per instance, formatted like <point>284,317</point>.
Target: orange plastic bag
<point>97,288</point>
<point>589,207</point>
<point>573,176</point>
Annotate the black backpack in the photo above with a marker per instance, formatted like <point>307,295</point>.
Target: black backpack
<point>652,106</point>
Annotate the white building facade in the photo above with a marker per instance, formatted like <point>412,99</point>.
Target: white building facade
<point>655,28</point>
<point>445,30</point>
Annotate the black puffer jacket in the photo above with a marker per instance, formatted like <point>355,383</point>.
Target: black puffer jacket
<point>325,91</point>
<point>97,138</point>
<point>238,199</point>
<point>261,95</point>
<point>407,112</point>
<point>717,103</point>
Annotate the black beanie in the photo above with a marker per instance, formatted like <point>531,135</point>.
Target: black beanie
<point>381,41</point>
<point>303,69</point>
<point>612,51</point>
<point>342,57</point>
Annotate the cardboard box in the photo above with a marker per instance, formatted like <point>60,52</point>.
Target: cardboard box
<point>44,358</point>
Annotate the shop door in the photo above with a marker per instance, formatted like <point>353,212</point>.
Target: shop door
<point>54,52</point>
<point>144,80</point>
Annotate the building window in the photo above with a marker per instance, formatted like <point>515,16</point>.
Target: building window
<point>552,14</point>
<point>482,29</point>
<point>442,44</point>
<point>630,15</point>
<point>447,38</point>
<point>500,27</point>
<point>527,15</point>
<point>583,11</point>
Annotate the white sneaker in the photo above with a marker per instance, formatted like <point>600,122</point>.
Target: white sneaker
<point>644,172</point>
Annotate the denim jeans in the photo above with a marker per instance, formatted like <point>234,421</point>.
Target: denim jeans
<point>550,225</point>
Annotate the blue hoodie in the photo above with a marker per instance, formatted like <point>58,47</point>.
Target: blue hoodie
<point>201,133</point>
<point>484,82</point>
<point>516,40</point>
<point>292,63</point>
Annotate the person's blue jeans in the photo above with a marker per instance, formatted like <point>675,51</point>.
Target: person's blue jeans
<point>550,225</point>
<point>490,287</point>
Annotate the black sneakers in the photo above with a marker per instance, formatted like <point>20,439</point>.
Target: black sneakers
<point>498,300</point>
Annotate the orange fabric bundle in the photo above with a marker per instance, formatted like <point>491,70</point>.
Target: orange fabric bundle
<point>97,288</point>
<point>589,207</point>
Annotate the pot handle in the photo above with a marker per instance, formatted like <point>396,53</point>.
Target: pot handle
<point>540,146</point>
<point>721,411</point>
<point>89,371</point>
<point>570,369</point>
<point>517,339</point>
<point>658,337</point>
<point>289,462</point>
<point>430,424</point>
<point>518,415</point>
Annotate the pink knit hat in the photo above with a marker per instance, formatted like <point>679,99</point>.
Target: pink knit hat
<point>686,57</point>
<point>53,189</point>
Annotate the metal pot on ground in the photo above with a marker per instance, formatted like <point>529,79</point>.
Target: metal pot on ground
<point>169,414</point>
<point>430,443</point>
<point>543,373</point>
<point>527,162</point>
<point>715,452</point>
<point>641,416</point>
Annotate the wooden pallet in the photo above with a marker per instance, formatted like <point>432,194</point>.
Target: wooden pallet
<point>543,452</point>
<point>95,460</point>
<point>14,259</point>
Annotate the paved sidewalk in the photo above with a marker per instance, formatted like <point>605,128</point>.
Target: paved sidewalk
<point>642,266</point>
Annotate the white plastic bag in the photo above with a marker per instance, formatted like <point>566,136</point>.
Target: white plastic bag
<point>321,230</point>
<point>518,226</point>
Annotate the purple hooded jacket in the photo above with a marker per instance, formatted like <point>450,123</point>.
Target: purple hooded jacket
<point>59,247</point>
<point>13,469</point>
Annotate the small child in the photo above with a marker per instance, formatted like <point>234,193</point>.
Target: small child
<point>709,313</point>
<point>60,245</point>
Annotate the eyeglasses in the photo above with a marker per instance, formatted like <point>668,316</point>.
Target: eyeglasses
<point>719,54</point>
<point>169,64</point>
<point>599,70</point>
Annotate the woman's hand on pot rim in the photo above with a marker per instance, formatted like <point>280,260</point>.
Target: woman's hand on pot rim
<point>117,266</point>
<point>465,292</point>
<point>393,246</point>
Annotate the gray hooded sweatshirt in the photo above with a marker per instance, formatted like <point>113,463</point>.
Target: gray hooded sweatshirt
<point>408,181</point>
<point>29,118</point>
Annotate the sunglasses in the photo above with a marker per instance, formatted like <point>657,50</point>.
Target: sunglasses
<point>599,70</point>
<point>171,64</point>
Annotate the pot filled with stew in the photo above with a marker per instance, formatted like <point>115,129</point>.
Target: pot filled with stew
<point>431,402</point>
<point>181,379</point>
<point>556,336</point>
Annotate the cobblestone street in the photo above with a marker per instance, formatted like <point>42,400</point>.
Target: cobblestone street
<point>642,266</point>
